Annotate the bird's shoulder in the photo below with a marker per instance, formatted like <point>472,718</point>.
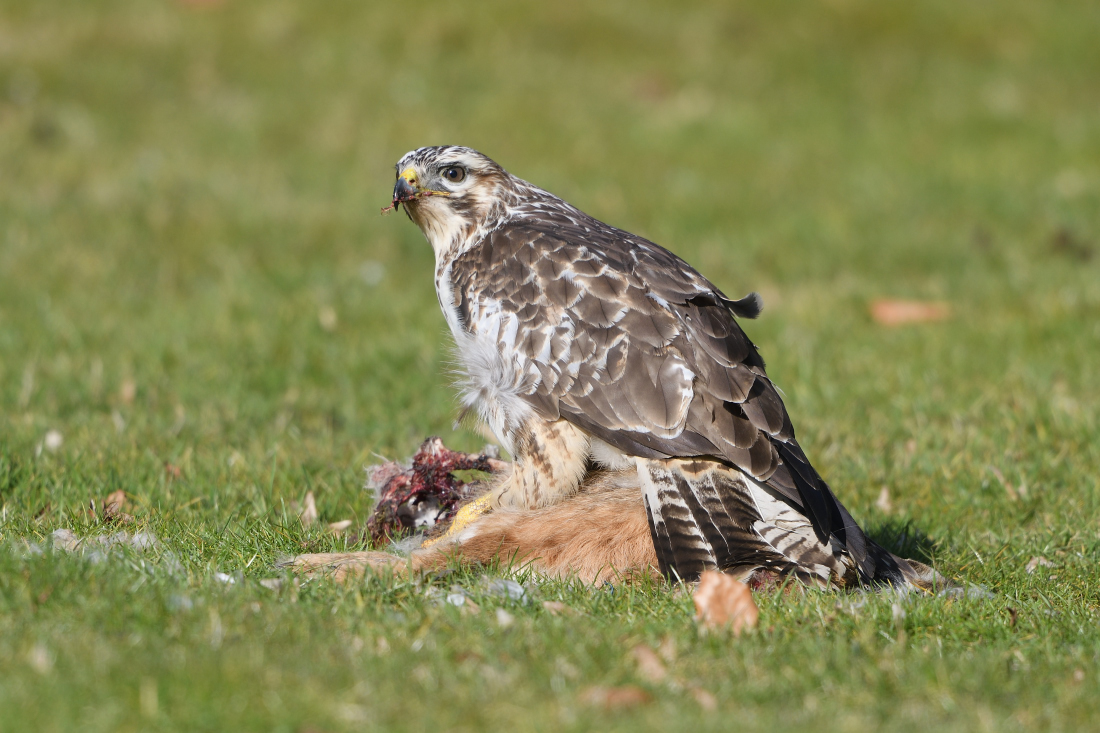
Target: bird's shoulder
<point>561,254</point>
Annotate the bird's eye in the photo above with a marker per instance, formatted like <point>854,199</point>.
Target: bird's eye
<point>454,174</point>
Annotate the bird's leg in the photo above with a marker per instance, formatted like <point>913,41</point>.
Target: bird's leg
<point>550,462</point>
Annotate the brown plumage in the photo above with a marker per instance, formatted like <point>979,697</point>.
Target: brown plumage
<point>587,348</point>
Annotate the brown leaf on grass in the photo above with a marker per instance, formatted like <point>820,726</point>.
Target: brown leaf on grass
<point>615,698</point>
<point>889,312</point>
<point>308,515</point>
<point>722,601</point>
<point>340,527</point>
<point>706,700</point>
<point>40,658</point>
<point>652,88</point>
<point>1037,562</point>
<point>111,508</point>
<point>172,471</point>
<point>649,665</point>
<point>127,391</point>
<point>883,501</point>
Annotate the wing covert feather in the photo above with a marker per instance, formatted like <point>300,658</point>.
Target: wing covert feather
<point>634,346</point>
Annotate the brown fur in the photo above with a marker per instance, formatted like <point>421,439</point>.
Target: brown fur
<point>600,534</point>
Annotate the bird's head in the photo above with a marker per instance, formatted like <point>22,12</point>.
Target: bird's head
<point>448,191</point>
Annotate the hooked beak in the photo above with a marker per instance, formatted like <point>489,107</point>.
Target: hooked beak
<point>405,189</point>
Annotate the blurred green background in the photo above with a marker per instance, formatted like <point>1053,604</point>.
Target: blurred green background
<point>194,271</point>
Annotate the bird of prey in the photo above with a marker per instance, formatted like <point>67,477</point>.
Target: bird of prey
<point>586,348</point>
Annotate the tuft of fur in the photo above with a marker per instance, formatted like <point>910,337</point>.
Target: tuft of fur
<point>600,534</point>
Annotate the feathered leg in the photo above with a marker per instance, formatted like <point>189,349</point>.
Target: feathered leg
<point>549,465</point>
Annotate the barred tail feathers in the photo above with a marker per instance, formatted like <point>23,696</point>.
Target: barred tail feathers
<point>702,516</point>
<point>705,515</point>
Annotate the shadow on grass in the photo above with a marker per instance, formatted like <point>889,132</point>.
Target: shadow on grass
<point>903,539</point>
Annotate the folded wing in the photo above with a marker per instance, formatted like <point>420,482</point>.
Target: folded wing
<point>631,344</point>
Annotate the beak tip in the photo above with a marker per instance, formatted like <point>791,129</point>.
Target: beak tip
<point>403,191</point>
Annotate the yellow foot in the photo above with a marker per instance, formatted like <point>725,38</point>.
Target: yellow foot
<point>465,516</point>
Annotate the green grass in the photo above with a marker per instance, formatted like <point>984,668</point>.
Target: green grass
<point>185,189</point>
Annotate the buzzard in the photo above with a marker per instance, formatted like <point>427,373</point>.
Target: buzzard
<point>591,352</point>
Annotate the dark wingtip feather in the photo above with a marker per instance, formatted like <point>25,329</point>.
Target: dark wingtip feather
<point>748,307</point>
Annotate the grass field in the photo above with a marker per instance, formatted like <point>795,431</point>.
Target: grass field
<point>201,306</point>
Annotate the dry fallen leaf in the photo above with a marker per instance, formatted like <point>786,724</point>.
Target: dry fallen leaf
<point>339,527</point>
<point>706,700</point>
<point>308,515</point>
<point>111,508</point>
<point>897,312</point>
<point>723,601</point>
<point>649,665</point>
<point>40,658</point>
<point>1036,562</point>
<point>615,698</point>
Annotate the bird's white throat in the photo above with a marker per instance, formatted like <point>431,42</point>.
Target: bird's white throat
<point>444,229</point>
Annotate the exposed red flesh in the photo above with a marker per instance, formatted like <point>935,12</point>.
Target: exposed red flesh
<point>429,480</point>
